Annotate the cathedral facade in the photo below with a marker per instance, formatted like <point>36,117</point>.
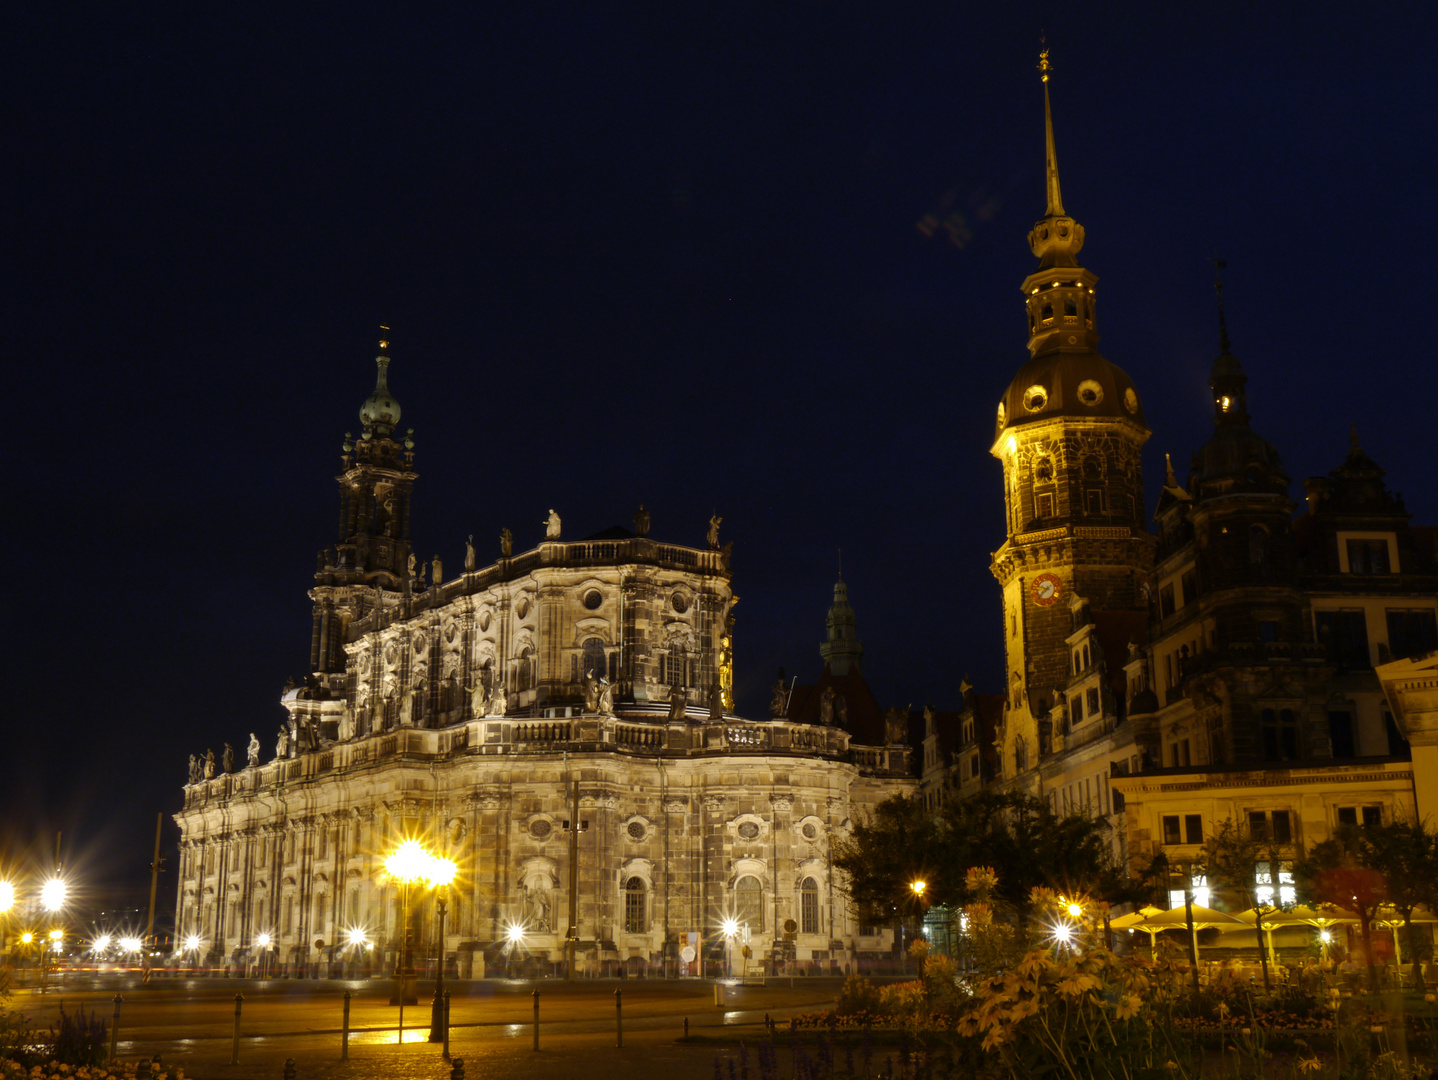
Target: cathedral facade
<point>560,724</point>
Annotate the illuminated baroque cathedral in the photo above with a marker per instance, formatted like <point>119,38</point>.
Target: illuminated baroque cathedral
<point>560,724</point>
<point>1243,664</point>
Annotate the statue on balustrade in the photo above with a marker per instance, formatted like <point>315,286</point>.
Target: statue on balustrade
<point>252,752</point>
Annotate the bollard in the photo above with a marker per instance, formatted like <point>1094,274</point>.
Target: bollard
<point>142,1071</point>
<point>686,1027</point>
<point>456,1070</point>
<point>115,1028</point>
<point>536,1019</point>
<point>446,1025</point>
<point>619,1019</point>
<point>235,1045</point>
<point>718,993</point>
<point>289,1069</point>
<point>345,1032</point>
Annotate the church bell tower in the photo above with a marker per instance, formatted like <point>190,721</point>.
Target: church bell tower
<point>1069,433</point>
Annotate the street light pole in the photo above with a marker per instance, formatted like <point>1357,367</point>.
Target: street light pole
<point>436,1011</point>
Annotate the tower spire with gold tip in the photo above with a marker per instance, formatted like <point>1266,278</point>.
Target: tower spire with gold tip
<point>1055,197</point>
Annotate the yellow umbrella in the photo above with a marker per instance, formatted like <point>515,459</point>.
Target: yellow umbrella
<point>1299,915</point>
<point>1176,917</point>
<point>1134,919</point>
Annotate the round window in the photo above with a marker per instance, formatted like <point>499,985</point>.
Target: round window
<point>1044,470</point>
<point>592,599</point>
<point>748,830</point>
<point>522,607</point>
<point>484,619</point>
<point>1035,398</point>
<point>810,830</point>
<point>539,829</point>
<point>680,601</point>
<point>1090,392</point>
<point>1003,414</point>
<point>636,830</point>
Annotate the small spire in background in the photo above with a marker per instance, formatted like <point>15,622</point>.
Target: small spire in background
<point>1353,445</point>
<point>1055,197</point>
<point>841,564</point>
<point>1219,266</point>
<point>1169,478</point>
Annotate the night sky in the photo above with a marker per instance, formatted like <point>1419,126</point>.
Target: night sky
<point>755,259</point>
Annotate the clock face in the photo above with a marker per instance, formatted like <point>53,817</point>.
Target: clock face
<point>1046,589</point>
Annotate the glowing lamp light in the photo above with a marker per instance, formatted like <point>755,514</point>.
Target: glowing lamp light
<point>263,941</point>
<point>1075,910</point>
<point>102,942</point>
<point>1012,444</point>
<point>730,927</point>
<point>408,863</point>
<point>515,934</point>
<point>130,944</point>
<point>441,871</point>
<point>357,937</point>
<point>52,896</point>
<point>1063,933</point>
<point>26,938</point>
<point>7,896</point>
<point>192,942</point>
<point>1224,402</point>
<point>1324,936</point>
<point>918,887</point>
<point>56,935</point>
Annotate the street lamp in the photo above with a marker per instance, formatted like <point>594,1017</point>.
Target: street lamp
<point>411,863</point>
<point>730,927</point>
<point>441,873</point>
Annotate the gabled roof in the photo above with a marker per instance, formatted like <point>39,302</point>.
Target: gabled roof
<point>866,717</point>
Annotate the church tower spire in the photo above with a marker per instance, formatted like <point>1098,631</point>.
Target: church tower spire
<point>842,651</point>
<point>1056,199</point>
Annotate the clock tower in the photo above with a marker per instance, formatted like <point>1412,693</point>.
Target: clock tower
<point>1069,433</point>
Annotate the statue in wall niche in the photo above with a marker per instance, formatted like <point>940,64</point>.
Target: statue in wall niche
<point>678,707</point>
<point>499,701</point>
<point>551,525</point>
<point>606,697</point>
<point>841,706</point>
<point>282,744</point>
<point>470,561</point>
<point>713,536</point>
<point>194,769</point>
<point>209,764</point>
<point>477,698</point>
<point>826,706</point>
<point>641,522</point>
<point>716,699</point>
<point>536,906</point>
<point>252,752</point>
<point>778,697</point>
<point>227,759</point>
<point>406,708</point>
<point>591,692</point>
<point>345,729</point>
<point>506,542</point>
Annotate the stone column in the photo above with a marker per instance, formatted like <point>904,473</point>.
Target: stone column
<point>1411,687</point>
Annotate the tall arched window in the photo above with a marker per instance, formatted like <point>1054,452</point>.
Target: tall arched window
<point>809,906</point>
<point>749,903</point>
<point>674,668</point>
<point>634,922</point>
<point>592,659</point>
<point>1021,755</point>
<point>524,670</point>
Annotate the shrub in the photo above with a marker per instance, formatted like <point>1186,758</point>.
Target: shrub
<point>79,1040</point>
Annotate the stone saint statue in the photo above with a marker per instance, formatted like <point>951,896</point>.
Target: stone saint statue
<point>469,558</point>
<point>606,697</point>
<point>841,704</point>
<point>477,698</point>
<point>551,526</point>
<point>409,565</point>
<point>591,692</point>
<point>499,700</point>
<point>896,727</point>
<point>714,523</point>
<point>536,907</point>
<point>209,764</point>
<point>826,706</point>
<point>678,707</point>
<point>641,522</point>
<point>716,700</point>
<point>419,577</point>
<point>282,744</point>
<point>438,574</point>
<point>778,697</point>
<point>252,752</point>
<point>406,708</point>
<point>506,542</point>
<point>194,769</point>
<point>227,759</point>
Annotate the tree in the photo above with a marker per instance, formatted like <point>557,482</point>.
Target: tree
<point>1234,860</point>
<point>1406,854</point>
<point>1339,871</point>
<point>884,854</point>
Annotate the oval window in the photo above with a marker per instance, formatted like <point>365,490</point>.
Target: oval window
<point>748,830</point>
<point>1090,392</point>
<point>592,599</point>
<point>1035,398</point>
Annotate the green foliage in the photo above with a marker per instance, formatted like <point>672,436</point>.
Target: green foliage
<point>17,1037</point>
<point>79,1040</point>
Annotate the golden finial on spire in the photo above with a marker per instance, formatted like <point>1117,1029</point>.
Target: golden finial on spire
<point>384,340</point>
<point>1044,66</point>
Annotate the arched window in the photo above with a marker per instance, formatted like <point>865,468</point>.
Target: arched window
<point>524,671</point>
<point>1280,735</point>
<point>809,906</point>
<point>1071,307</point>
<point>1044,470</point>
<point>634,922</point>
<point>1048,312</point>
<point>674,667</point>
<point>749,903</point>
<point>592,659</point>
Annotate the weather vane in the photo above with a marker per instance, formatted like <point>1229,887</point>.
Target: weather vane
<point>1044,66</point>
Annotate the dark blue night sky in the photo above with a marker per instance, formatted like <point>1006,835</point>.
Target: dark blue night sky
<point>759,259</point>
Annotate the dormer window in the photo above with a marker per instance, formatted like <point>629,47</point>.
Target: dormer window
<point>1367,556</point>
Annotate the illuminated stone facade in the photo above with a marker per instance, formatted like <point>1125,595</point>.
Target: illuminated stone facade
<point>578,682</point>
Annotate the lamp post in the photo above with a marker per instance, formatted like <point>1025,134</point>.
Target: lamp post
<point>436,1008</point>
<point>7,901</point>
<point>730,928</point>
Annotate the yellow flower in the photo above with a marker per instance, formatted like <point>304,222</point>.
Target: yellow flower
<point>1309,1064</point>
<point>1128,1007</point>
<point>1075,985</point>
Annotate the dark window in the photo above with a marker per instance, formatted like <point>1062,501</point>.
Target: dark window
<point>1070,307</point>
<point>1095,502</point>
<point>1091,468</point>
<point>1044,470</point>
<point>1171,835</point>
<point>749,903</point>
<point>1267,630</point>
<point>1129,503</point>
<point>1373,815</point>
<point>1397,744</point>
<point>1193,828</point>
<point>1279,733</point>
<point>1258,825</point>
<point>1165,601</point>
<point>593,660</point>
<point>674,669</point>
<point>1282,827</point>
<point>1345,635</point>
<point>1257,545</point>
<point>1412,633</point>
<point>634,906</point>
<point>1368,556</point>
<point>809,906</point>
<point>1046,505</point>
<point>1093,708</point>
<point>1189,581</point>
<point>1117,801</point>
<point>1348,815</point>
<point>1340,733</point>
<point>1048,312</point>
<point>1078,708</point>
